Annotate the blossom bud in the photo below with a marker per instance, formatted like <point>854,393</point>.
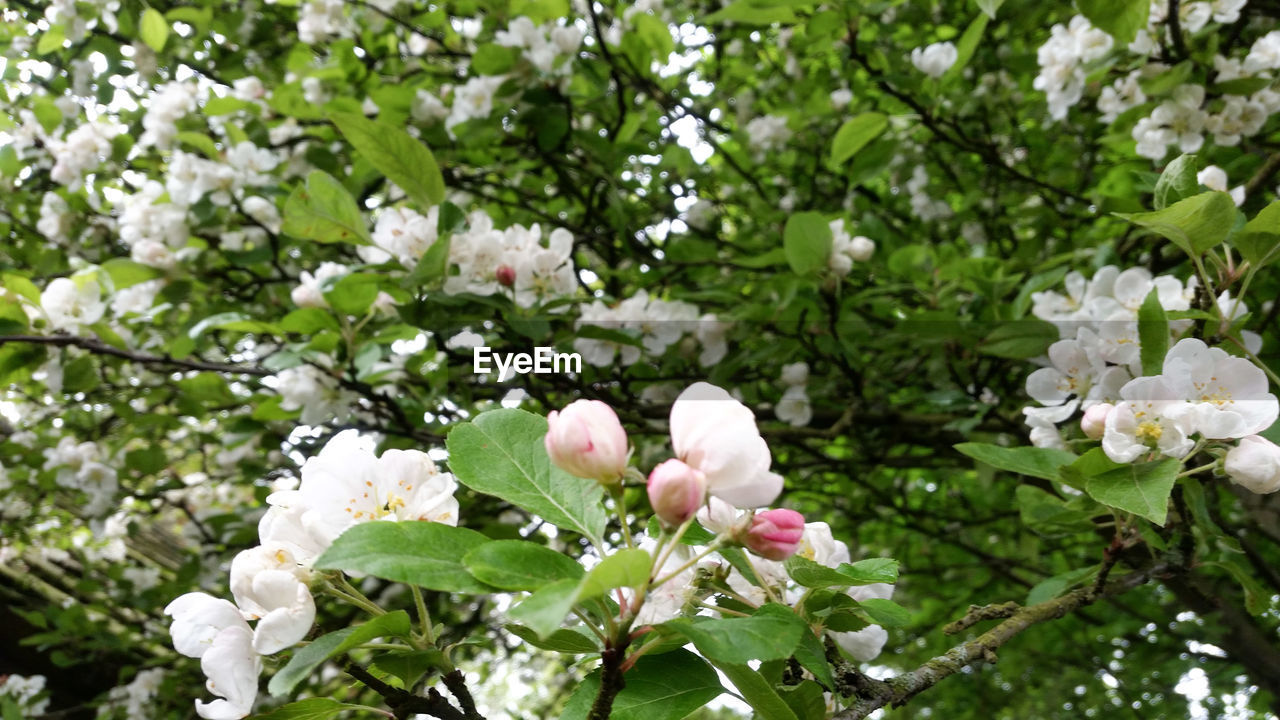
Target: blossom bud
<point>775,534</point>
<point>586,439</point>
<point>861,248</point>
<point>1254,464</point>
<point>676,491</point>
<point>1094,422</point>
<point>506,275</point>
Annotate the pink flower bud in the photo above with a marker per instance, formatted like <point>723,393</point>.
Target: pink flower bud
<point>505,275</point>
<point>586,439</point>
<point>1094,421</point>
<point>676,491</point>
<point>775,534</point>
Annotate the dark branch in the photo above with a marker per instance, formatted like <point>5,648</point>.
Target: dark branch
<point>99,347</point>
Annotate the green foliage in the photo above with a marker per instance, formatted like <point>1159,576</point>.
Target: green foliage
<point>404,160</point>
<point>1194,224</point>
<point>426,554</point>
<point>323,210</point>
<point>807,242</point>
<point>306,660</point>
<point>501,453</point>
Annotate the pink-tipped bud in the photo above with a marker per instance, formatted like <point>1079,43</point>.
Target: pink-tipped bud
<point>775,534</point>
<point>506,275</point>
<point>586,439</point>
<point>676,491</point>
<point>1094,422</point>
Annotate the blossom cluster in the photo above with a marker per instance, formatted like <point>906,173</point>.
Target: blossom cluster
<point>343,485</point>
<point>658,324</point>
<point>1201,391</point>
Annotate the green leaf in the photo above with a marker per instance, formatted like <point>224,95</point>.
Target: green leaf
<point>396,154</point>
<point>323,210</point>
<point>625,568</point>
<point>757,691</point>
<point>1153,333</point>
<point>50,41</point>
<point>812,656</point>
<point>432,267</point>
<point>308,320</point>
<point>1194,224</point>
<point>501,453</point>
<point>870,571</point>
<point>806,700</point>
<point>200,141</point>
<point>1140,488</point>
<point>306,659</point>
<point>753,12</point>
<point>660,687</point>
<point>1121,19</point>
<point>1164,82</point>
<point>1177,182</point>
<point>1050,588</point>
<point>807,242</point>
<point>309,709</point>
<point>566,640</point>
<point>990,7</point>
<point>966,46</point>
<point>213,322</point>
<point>544,610</point>
<point>854,135</point>
<point>519,565</point>
<point>1029,461</point>
<point>1020,339</point>
<point>125,273</point>
<point>1259,240</point>
<point>153,29</point>
<point>1256,596</point>
<point>354,293</point>
<point>814,575</point>
<point>21,286</point>
<point>886,613</point>
<point>772,633</point>
<point>411,665</point>
<point>493,59</point>
<point>420,553</point>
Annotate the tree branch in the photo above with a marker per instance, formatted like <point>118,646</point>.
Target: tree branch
<point>99,347</point>
<point>871,695</point>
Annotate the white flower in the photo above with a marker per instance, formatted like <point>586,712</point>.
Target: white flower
<point>70,304</point>
<point>473,100</point>
<point>80,152</point>
<point>269,585</point>
<point>197,620</point>
<point>1229,395</point>
<point>1254,464</point>
<point>313,391</point>
<point>863,645</point>
<point>318,20</point>
<point>796,373</point>
<point>1177,120</point>
<point>935,59</point>
<point>55,218</point>
<point>711,332</point>
<point>1215,178</point>
<point>768,132</point>
<point>1148,419</point>
<point>136,299</point>
<point>346,484</point>
<point>232,668</point>
<point>311,288</point>
<point>168,104</point>
<point>402,234</point>
<point>794,407</point>
<point>1073,374</point>
<point>841,98</point>
<point>428,108</point>
<point>1264,55</point>
<point>714,433</point>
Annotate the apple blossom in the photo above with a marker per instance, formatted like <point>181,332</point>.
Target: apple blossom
<point>676,491</point>
<point>1229,394</point>
<point>714,433</point>
<point>585,439</point>
<point>1094,421</point>
<point>232,668</point>
<point>1148,419</point>
<point>197,620</point>
<point>774,534</point>
<point>1254,464</point>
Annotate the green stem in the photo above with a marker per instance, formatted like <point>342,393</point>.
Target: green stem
<point>360,597</point>
<point>362,603</point>
<point>620,505</point>
<point>424,618</point>
<point>1202,468</point>
<point>714,546</point>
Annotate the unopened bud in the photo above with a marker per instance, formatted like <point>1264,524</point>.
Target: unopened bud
<point>506,275</point>
<point>1094,422</point>
<point>774,534</point>
<point>586,439</point>
<point>676,491</point>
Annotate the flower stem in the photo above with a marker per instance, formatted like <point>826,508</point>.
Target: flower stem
<point>424,618</point>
